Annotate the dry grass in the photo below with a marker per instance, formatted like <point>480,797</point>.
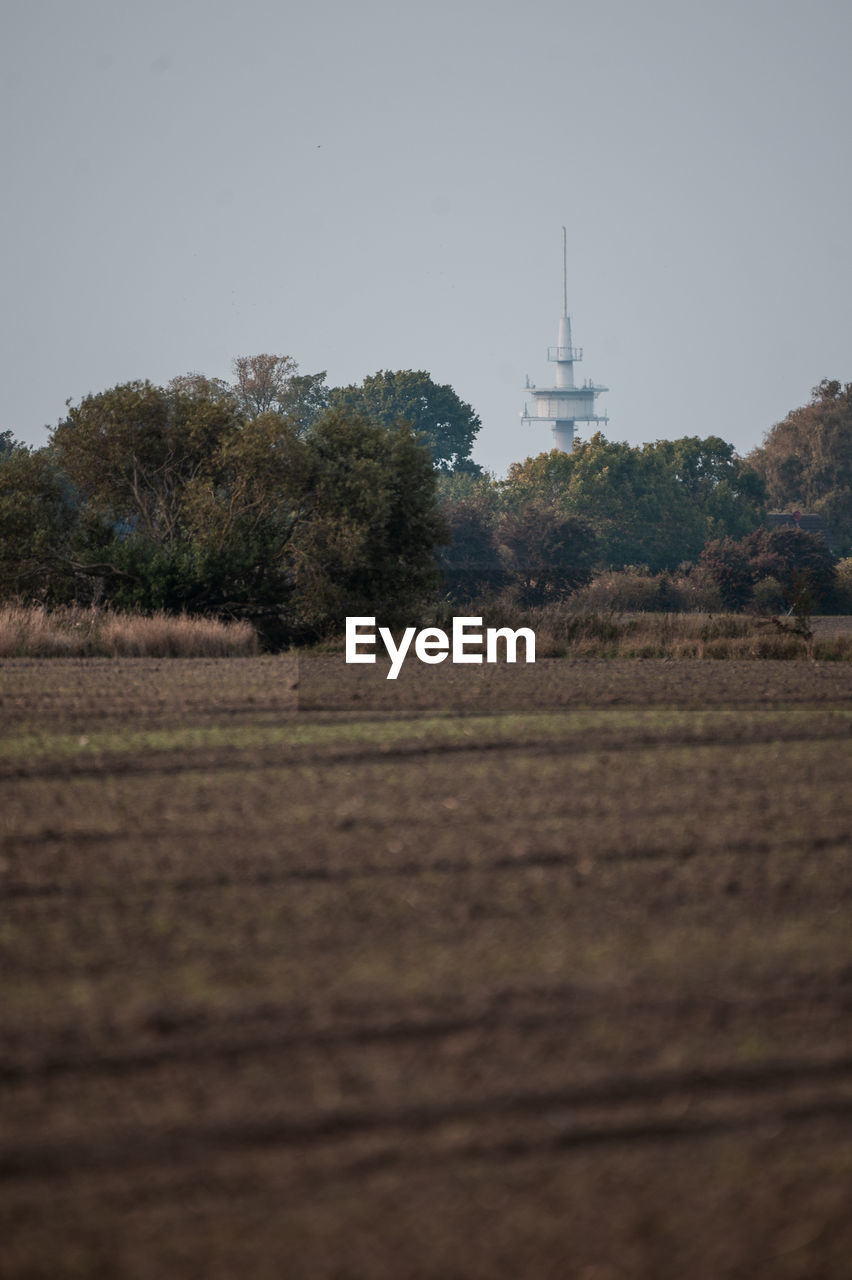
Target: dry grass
<point>560,633</point>
<point>28,631</point>
<point>31,631</point>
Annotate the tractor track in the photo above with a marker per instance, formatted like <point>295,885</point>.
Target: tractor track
<point>404,869</point>
<point>661,1107</point>
<point>180,1039</point>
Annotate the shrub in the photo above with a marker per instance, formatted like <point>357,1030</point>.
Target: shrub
<point>725,627</point>
<point>768,595</point>
<point>631,591</point>
<point>843,588</point>
<point>471,563</point>
<point>773,569</point>
<point>801,562</point>
<point>546,555</point>
<point>726,563</point>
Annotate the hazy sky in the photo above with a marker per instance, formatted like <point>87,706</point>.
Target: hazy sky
<point>376,184</point>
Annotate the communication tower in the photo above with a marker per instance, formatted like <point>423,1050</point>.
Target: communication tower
<point>565,404</point>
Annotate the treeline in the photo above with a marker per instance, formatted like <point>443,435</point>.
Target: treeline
<point>559,516</point>
<point>675,525</point>
<point>257,501</point>
<point>277,499</point>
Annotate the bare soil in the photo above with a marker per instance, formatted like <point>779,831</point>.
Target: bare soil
<point>524,972</point>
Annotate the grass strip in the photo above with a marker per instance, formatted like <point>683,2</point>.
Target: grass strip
<point>487,728</point>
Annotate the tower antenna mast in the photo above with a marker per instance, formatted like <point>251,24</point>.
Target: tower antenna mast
<point>565,404</point>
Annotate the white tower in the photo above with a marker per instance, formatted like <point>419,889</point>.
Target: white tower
<point>565,404</point>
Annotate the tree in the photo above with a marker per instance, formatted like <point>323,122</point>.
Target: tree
<point>167,498</point>
<point>131,452</point>
<point>729,494</point>
<point>271,384</point>
<point>654,505</point>
<point>132,458</point>
<point>446,424</point>
<point>639,512</point>
<point>471,563</point>
<point>240,521</point>
<point>797,565</point>
<point>304,399</point>
<point>547,555</point>
<point>367,543</point>
<point>544,479</point>
<point>261,381</point>
<point>725,563</point>
<point>801,562</point>
<point>181,503</point>
<point>36,522</point>
<point>202,387</point>
<point>806,460</point>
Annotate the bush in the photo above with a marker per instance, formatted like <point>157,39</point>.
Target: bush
<point>802,563</point>
<point>768,595</point>
<point>471,563</point>
<point>796,569</point>
<point>726,563</point>
<point>546,555</point>
<point>633,591</point>
<point>843,587</point>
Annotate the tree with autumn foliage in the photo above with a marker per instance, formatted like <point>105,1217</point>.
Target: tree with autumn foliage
<point>806,459</point>
<point>272,384</point>
<point>799,565</point>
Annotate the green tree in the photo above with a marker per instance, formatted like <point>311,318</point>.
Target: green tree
<point>154,497</point>
<point>471,563</point>
<point>806,460</point>
<point>305,398</point>
<point>443,421</point>
<point>180,504</point>
<point>655,505</point>
<point>37,519</point>
<point>729,494</point>
<point>372,524</point>
<point>544,479</point>
<point>639,511</point>
<point>131,452</point>
<point>239,521</point>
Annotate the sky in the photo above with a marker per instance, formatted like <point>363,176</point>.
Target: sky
<point>378,184</point>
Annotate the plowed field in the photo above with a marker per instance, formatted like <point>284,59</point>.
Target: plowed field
<point>526,972</point>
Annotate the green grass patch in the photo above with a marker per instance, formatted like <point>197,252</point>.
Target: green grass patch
<point>518,728</point>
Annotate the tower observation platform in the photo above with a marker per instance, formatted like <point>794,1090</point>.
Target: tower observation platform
<point>564,404</point>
